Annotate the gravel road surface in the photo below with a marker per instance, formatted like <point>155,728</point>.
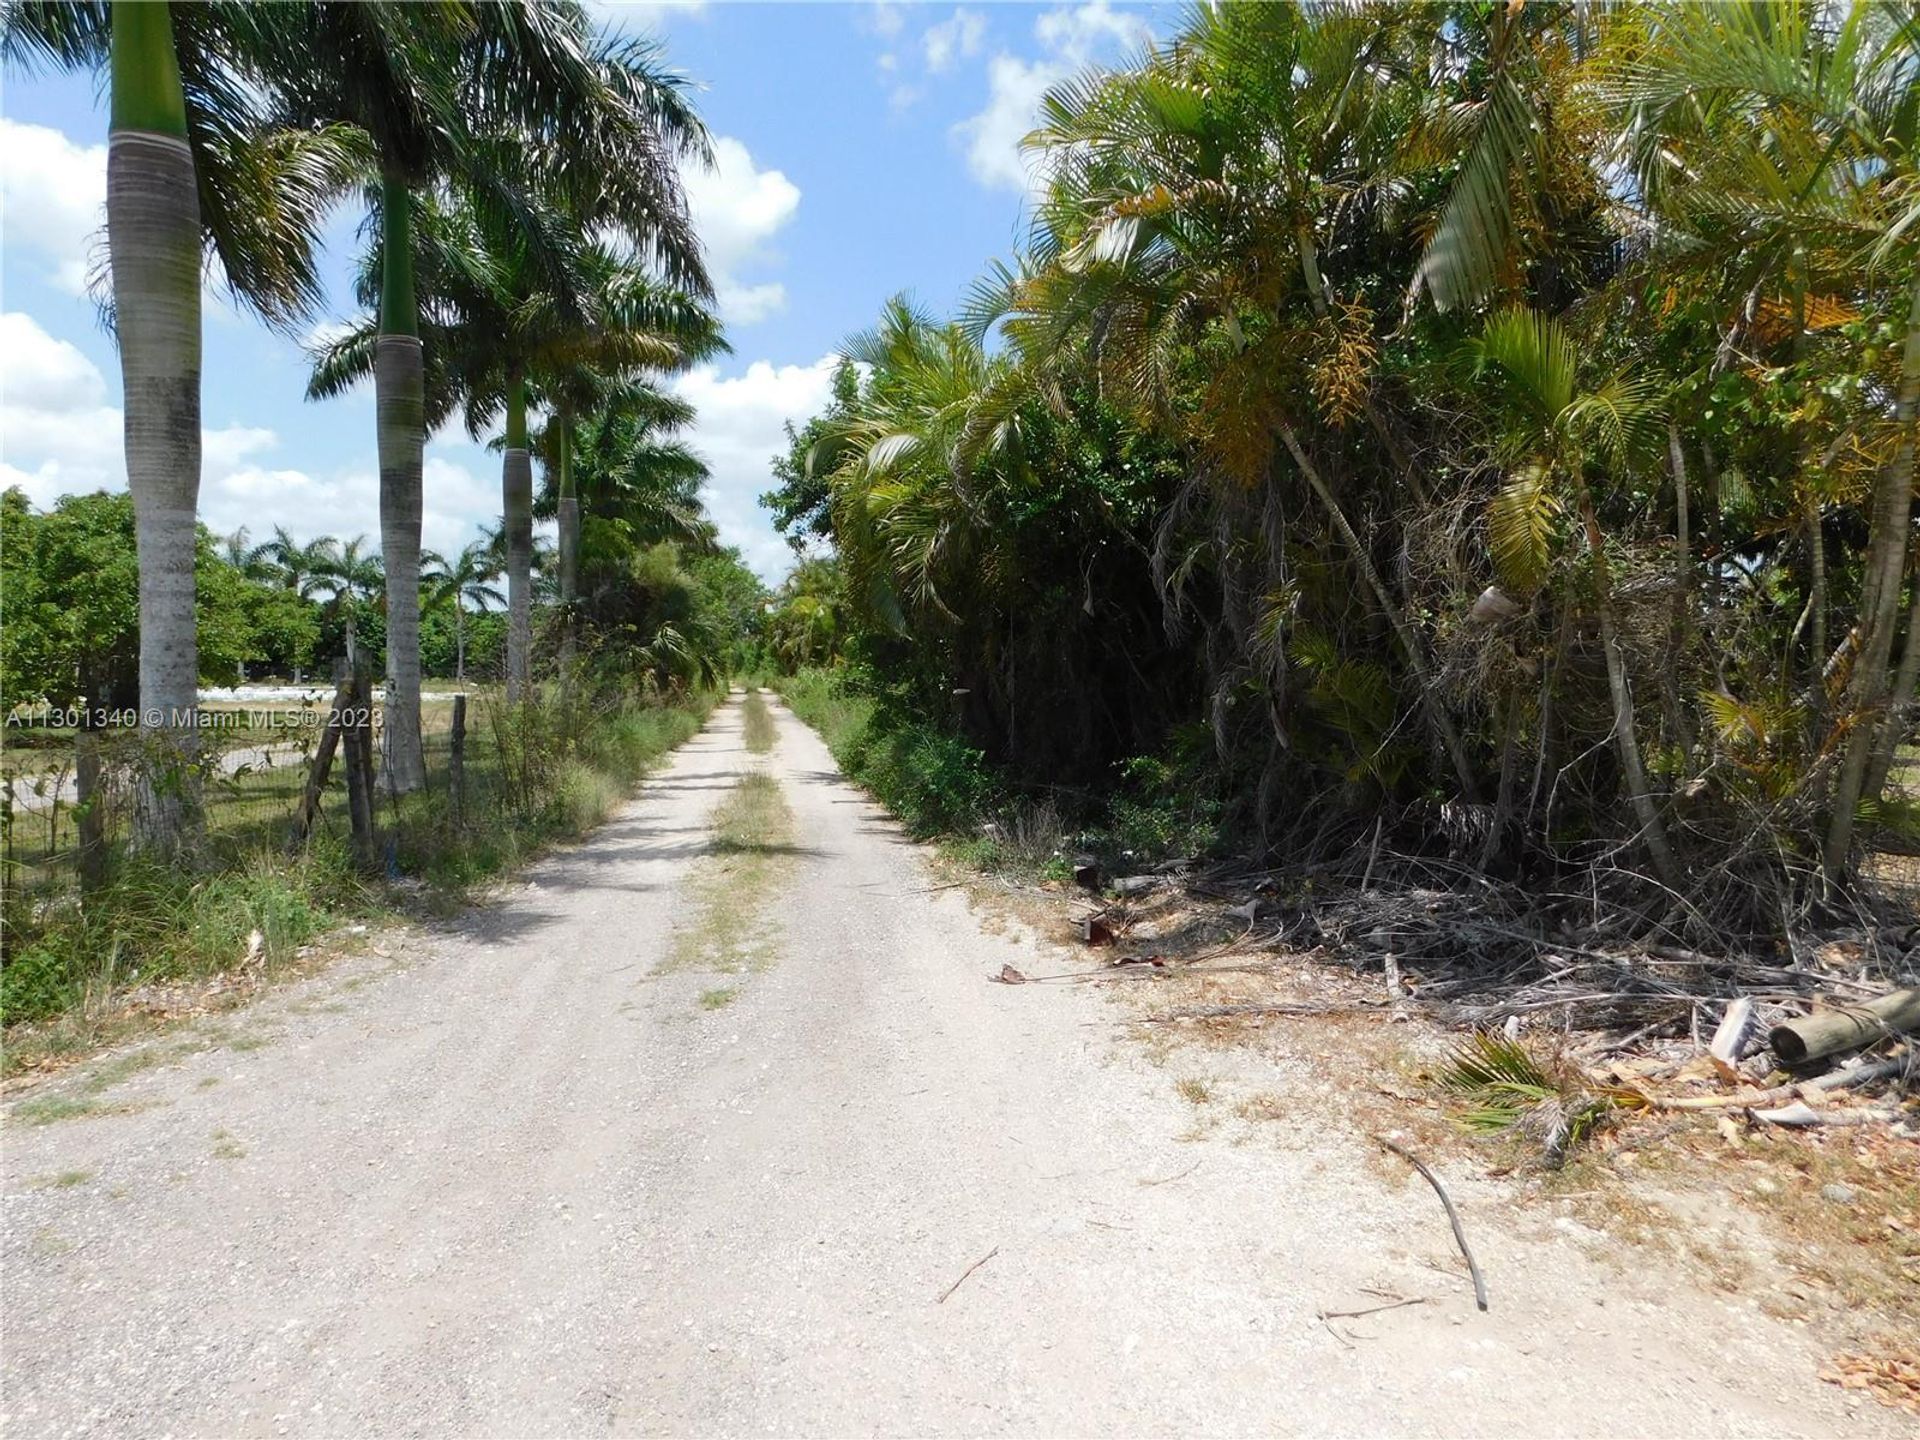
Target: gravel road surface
<point>514,1177</point>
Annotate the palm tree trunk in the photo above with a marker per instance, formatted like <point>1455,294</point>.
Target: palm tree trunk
<point>1681,636</point>
<point>153,241</point>
<point>1639,792</point>
<point>459,641</point>
<point>1900,706</point>
<point>400,415</point>
<point>1879,609</point>
<point>1816,610</point>
<point>1402,627</point>
<point>569,536</point>
<point>516,486</point>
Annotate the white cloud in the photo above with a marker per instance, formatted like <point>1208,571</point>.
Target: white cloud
<point>640,16</point>
<point>53,206</point>
<point>738,208</point>
<point>59,436</point>
<point>959,37</point>
<point>1082,33</point>
<point>1070,40</point>
<point>57,433</point>
<point>323,333</point>
<point>223,450</point>
<point>744,304</point>
<point>39,373</point>
<point>53,196</point>
<point>739,428</point>
<point>888,18</point>
<point>458,503</point>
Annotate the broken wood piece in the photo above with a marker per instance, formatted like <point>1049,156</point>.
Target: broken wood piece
<point>1396,992</point>
<point>1453,1216</point>
<point>1729,1102</point>
<point>1846,1027</point>
<point>1128,887</point>
<point>1801,1115</point>
<point>1278,1007</point>
<point>1094,930</point>
<point>1859,1074</point>
<point>1730,1039</point>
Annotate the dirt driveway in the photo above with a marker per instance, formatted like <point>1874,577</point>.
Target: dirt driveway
<point>544,1173</point>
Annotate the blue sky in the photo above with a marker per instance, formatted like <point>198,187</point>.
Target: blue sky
<point>863,149</point>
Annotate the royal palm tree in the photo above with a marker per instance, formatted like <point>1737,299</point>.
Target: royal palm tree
<point>192,164</point>
<point>523,109</point>
<point>347,576</point>
<point>506,323</point>
<point>292,565</point>
<point>637,481</point>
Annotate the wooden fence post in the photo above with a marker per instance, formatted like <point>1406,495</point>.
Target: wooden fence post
<point>91,859</point>
<point>322,764</point>
<point>357,731</point>
<point>457,761</point>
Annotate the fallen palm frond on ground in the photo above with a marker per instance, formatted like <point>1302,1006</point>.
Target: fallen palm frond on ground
<point>1510,1090</point>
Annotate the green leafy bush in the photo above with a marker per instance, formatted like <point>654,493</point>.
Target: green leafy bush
<point>934,782</point>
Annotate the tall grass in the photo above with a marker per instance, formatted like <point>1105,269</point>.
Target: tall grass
<point>757,723</point>
<point>158,924</point>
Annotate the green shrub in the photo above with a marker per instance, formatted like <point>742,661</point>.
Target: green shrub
<point>38,982</point>
<point>582,796</point>
<point>933,781</point>
<point>937,784</point>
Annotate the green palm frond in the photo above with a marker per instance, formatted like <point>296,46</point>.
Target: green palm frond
<point>1463,259</point>
<point>1537,355</point>
<point>1507,1088</point>
<point>1522,528</point>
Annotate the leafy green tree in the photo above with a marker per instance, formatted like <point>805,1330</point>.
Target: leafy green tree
<point>71,579</point>
<point>731,601</point>
<point>801,501</point>
<point>284,628</point>
<point>1777,140</point>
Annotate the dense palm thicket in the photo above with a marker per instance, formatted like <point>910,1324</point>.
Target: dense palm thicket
<point>1489,424</point>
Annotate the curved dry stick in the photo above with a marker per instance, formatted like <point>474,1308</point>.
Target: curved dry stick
<point>1453,1216</point>
<point>965,1273</point>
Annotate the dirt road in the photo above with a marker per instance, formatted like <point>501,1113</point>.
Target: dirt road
<point>518,1178</point>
